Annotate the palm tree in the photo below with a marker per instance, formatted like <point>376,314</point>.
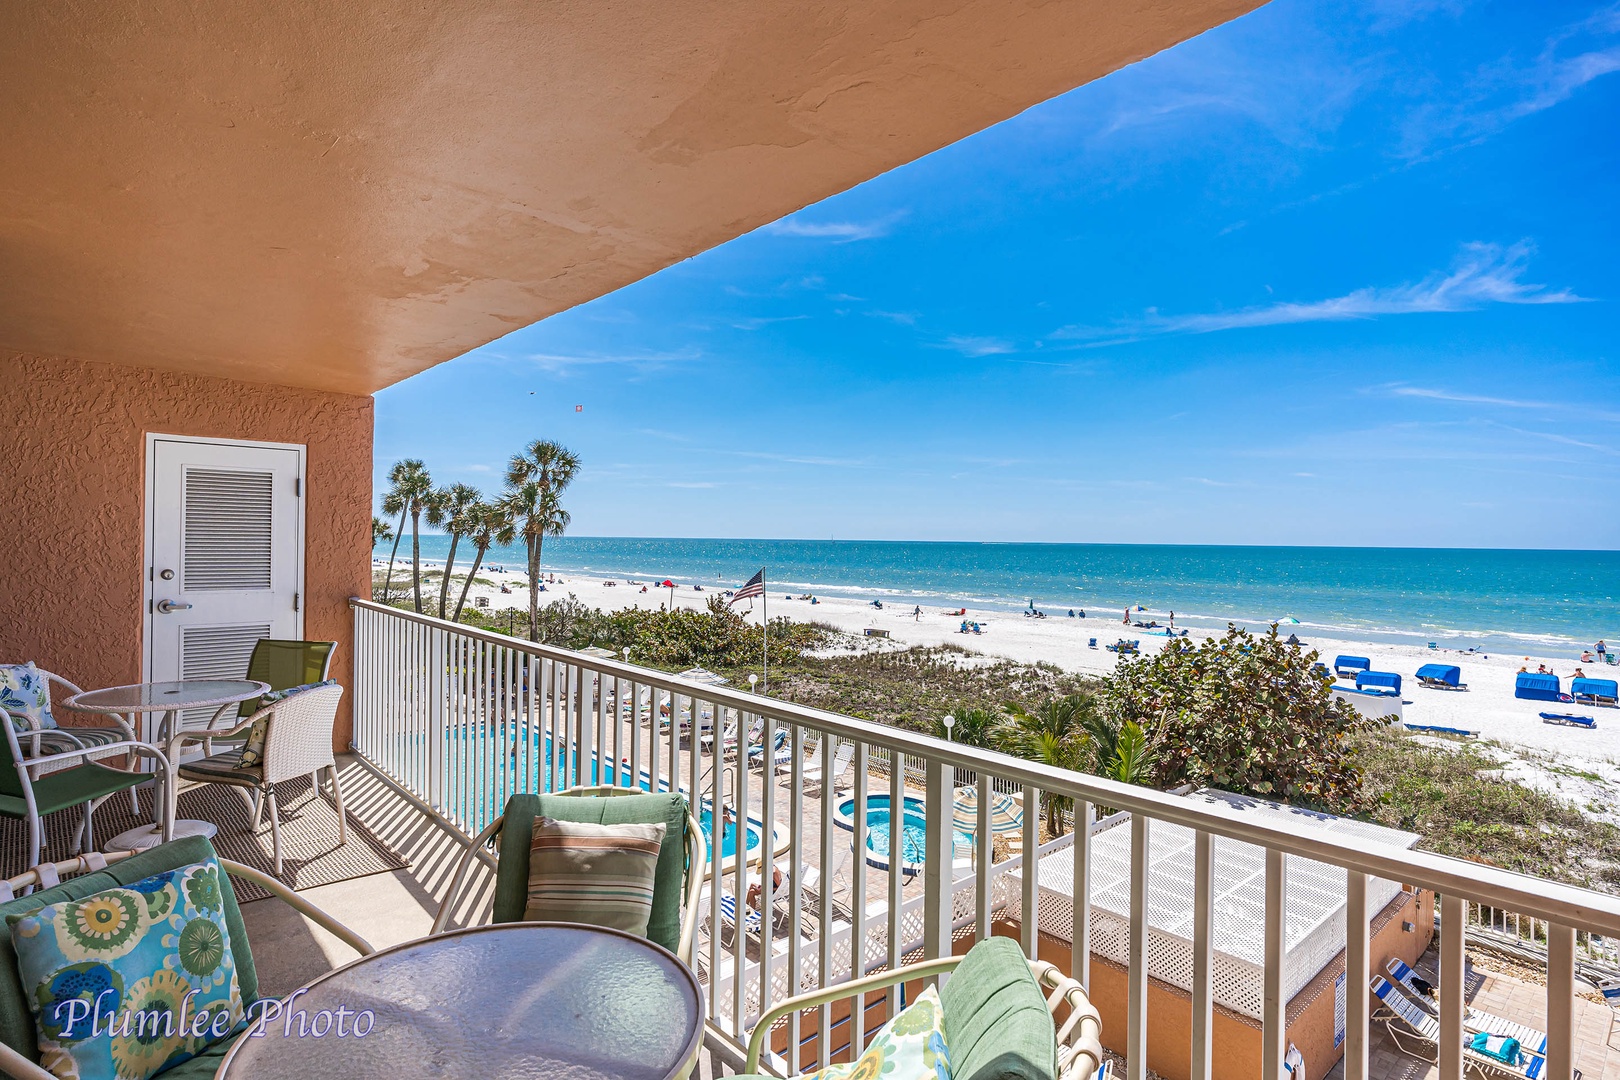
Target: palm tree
<point>408,481</point>
<point>535,480</point>
<point>1055,735</point>
<point>380,531</point>
<point>448,508</point>
<point>487,526</point>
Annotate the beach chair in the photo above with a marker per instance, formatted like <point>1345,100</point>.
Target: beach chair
<point>1537,686</point>
<point>1569,720</point>
<point>1610,989</point>
<point>1474,1019</point>
<point>753,921</point>
<point>817,772</point>
<point>1409,1027</point>
<point>1379,682</point>
<point>781,752</point>
<point>1441,677</point>
<point>1349,665</point>
<point>1594,691</point>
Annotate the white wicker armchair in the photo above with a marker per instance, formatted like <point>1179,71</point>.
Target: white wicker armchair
<point>297,742</point>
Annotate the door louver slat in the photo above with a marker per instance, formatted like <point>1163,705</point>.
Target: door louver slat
<point>228,529</point>
<point>216,652</point>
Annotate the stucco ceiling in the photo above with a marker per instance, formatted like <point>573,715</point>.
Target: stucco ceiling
<point>339,195</point>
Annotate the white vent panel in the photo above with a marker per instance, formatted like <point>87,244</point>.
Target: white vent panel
<point>228,529</point>
<point>216,652</point>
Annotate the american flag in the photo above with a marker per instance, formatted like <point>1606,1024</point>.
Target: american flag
<point>755,587</point>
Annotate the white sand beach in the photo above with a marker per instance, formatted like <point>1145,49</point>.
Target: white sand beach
<point>1581,765</point>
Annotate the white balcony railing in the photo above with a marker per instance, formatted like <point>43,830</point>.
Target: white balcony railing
<point>461,719</point>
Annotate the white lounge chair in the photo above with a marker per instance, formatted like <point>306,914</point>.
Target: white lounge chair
<point>1474,1019</point>
<point>1410,1026</point>
<point>1610,989</point>
<point>817,772</point>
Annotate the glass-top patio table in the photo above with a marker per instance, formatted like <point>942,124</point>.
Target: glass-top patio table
<point>531,1000</point>
<point>168,698</point>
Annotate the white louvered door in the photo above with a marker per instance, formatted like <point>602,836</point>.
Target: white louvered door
<point>226,555</point>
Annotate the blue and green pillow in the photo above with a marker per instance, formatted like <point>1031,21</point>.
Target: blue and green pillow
<point>25,692</point>
<point>130,981</point>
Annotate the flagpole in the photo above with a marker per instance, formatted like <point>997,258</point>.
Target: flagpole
<point>765,614</point>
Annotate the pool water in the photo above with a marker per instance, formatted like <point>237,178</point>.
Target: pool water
<point>594,771</point>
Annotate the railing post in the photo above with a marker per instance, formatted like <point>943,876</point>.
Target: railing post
<point>1560,1001</point>
<point>936,862</point>
<point>1136,1014</point>
<point>437,654</point>
<point>1356,967</point>
<point>1453,936</point>
<point>1203,1013</point>
<point>1274,1008</point>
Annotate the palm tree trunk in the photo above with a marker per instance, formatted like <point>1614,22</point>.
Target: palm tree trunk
<point>534,589</point>
<point>478,559</point>
<point>399,534</point>
<point>416,557</point>
<point>449,561</point>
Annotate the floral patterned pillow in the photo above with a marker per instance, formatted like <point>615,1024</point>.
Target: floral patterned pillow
<point>253,750</point>
<point>25,692</point>
<point>127,982</point>
<point>909,1047</point>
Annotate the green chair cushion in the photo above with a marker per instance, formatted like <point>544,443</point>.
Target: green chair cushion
<point>512,872</point>
<point>17,1017</point>
<point>223,769</point>
<point>996,1022</point>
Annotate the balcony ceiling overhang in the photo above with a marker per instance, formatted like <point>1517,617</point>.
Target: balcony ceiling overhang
<point>339,195</point>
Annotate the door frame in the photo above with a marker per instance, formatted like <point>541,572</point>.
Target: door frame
<point>149,521</point>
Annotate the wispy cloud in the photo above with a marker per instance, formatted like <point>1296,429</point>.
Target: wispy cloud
<point>563,363</point>
<point>1467,399</point>
<point>795,459</point>
<point>1511,90</point>
<point>692,484</point>
<point>840,232</point>
<point>969,345</point>
<point>760,322</point>
<point>1482,274</point>
<point>904,318</point>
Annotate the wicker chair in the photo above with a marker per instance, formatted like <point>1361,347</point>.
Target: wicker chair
<point>19,1056</point>
<point>297,742</point>
<point>45,741</point>
<point>511,882</point>
<point>988,977</point>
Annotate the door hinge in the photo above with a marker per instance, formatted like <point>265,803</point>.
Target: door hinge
<point>295,601</point>
<point>298,487</point>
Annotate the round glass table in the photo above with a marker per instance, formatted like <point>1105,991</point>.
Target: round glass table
<point>529,1000</point>
<point>168,698</point>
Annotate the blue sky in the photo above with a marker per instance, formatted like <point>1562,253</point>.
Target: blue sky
<point>1324,275</point>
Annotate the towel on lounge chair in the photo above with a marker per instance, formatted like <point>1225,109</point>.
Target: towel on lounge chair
<point>1504,1048</point>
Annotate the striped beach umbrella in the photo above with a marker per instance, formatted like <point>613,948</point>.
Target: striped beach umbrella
<point>1005,814</point>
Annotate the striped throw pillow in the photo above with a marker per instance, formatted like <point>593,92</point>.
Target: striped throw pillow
<point>596,874</point>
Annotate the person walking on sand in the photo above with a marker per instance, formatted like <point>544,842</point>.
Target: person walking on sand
<point>916,613</point>
<point>1603,652</point>
<point>1127,619</point>
<point>1172,620</point>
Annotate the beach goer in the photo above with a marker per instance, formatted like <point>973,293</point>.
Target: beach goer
<point>1071,613</point>
<point>1082,613</point>
<point>756,889</point>
<point>1586,657</point>
<point>1524,668</point>
<point>1541,669</point>
<point>964,627</point>
<point>1602,651</point>
<point>1579,674</point>
<point>1127,619</point>
<point>917,613</point>
<point>1172,620</point>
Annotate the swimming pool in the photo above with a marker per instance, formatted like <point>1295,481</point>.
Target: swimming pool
<point>879,814</point>
<point>502,782</point>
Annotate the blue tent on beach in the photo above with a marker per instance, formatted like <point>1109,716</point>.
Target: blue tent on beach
<point>1382,681</point>
<point>1535,686</point>
<point>1441,677</point>
<point>1595,691</point>
<point>1349,665</point>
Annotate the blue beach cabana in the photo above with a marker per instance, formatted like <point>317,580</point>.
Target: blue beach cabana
<point>1381,682</point>
<point>1534,686</point>
<point>1349,665</point>
<point>1595,691</point>
<point>1441,677</point>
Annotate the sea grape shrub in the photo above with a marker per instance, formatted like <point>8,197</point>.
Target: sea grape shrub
<point>717,637</point>
<point>1244,713</point>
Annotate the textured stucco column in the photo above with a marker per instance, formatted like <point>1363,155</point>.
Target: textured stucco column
<point>73,474</point>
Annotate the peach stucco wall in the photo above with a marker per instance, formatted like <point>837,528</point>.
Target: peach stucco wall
<point>73,471</point>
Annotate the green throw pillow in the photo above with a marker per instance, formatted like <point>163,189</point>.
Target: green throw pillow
<point>597,874</point>
<point>253,750</point>
<point>909,1047</point>
<point>130,981</point>
<point>26,693</point>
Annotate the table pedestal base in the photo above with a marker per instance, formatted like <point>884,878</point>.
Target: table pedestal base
<point>144,836</point>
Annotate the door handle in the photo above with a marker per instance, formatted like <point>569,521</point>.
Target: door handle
<point>164,607</point>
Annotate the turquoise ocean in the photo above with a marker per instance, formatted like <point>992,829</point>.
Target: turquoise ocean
<point>1546,602</point>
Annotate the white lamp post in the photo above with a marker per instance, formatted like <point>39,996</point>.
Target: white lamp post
<point>752,679</point>
<point>950,722</point>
